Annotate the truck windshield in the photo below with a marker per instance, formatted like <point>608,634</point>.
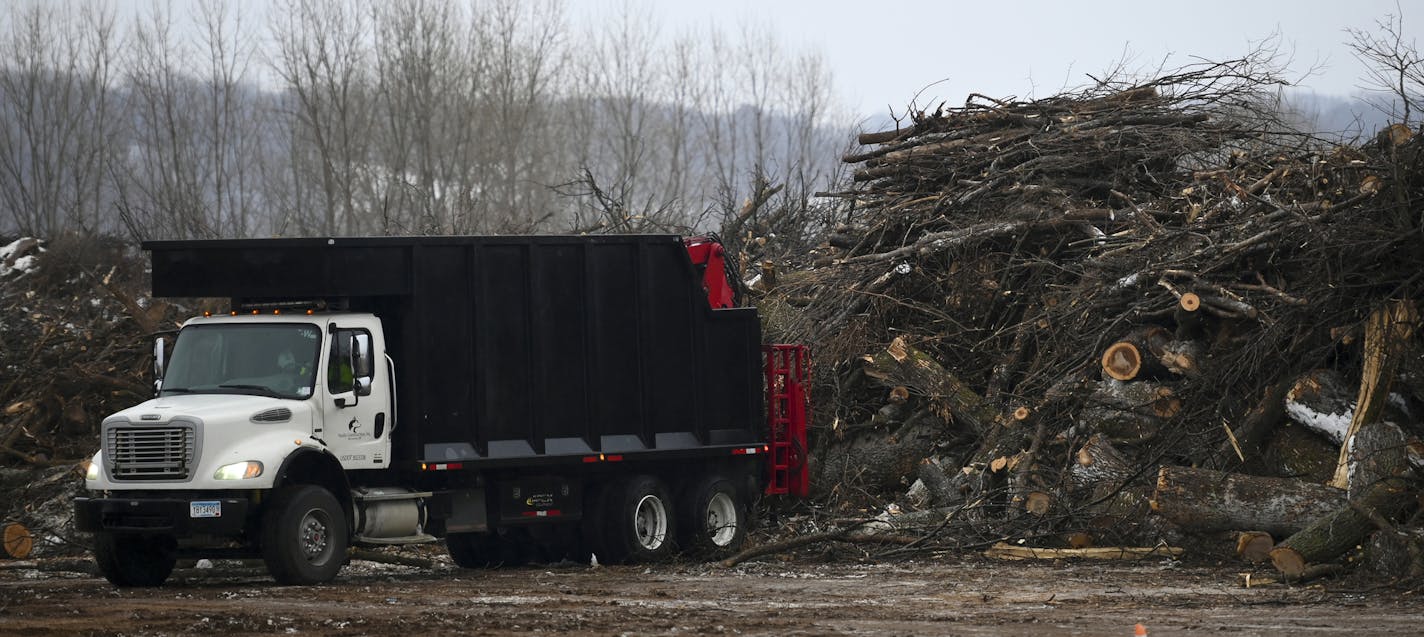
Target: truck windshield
<point>272,359</point>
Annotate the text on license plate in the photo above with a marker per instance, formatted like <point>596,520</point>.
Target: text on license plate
<point>205,509</point>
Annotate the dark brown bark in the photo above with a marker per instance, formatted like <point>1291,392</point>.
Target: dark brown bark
<point>901,364</point>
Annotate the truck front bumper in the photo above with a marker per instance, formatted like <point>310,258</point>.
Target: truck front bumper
<point>167,515</point>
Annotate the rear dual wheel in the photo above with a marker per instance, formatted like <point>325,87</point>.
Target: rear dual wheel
<point>631,520</point>
<point>714,517</point>
<point>484,550</point>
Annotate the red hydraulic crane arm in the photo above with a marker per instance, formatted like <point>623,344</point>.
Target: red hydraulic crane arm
<point>707,254</point>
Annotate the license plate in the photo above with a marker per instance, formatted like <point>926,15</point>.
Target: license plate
<point>205,509</point>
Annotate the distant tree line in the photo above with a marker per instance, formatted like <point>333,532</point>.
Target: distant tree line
<point>334,117</point>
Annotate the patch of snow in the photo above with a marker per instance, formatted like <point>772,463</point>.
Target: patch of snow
<point>11,265</point>
<point>1129,281</point>
<point>1333,426</point>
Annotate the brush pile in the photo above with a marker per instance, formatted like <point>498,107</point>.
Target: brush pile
<point>1034,312</point>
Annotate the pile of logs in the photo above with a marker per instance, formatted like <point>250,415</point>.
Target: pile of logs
<point>1127,315</point>
<point>73,346</point>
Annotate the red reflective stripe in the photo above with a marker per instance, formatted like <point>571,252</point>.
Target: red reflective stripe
<point>614,458</point>
<point>590,458</point>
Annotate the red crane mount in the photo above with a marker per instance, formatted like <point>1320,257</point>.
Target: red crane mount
<point>708,256</point>
<point>788,371</point>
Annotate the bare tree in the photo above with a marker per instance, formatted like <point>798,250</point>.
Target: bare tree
<point>321,57</point>
<point>57,127</point>
<point>1392,65</point>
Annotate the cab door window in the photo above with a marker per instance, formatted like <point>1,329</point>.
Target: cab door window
<point>340,370</point>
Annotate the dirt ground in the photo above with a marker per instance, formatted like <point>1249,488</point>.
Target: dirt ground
<point>948,596</point>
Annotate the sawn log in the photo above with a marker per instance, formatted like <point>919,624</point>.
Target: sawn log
<point>1207,500</point>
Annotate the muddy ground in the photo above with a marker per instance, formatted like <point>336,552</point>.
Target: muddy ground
<point>944,596</point>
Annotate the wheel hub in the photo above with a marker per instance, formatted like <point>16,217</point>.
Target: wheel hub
<point>721,519</point>
<point>650,522</point>
<point>314,536</point>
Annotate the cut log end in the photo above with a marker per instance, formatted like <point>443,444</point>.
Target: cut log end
<point>1037,502</point>
<point>1022,413</point>
<point>1122,361</point>
<point>17,542</point>
<point>1190,302</point>
<point>1254,546</point>
<point>1288,561</point>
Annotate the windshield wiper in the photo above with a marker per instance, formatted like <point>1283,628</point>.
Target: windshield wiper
<point>266,391</point>
<point>179,390</point>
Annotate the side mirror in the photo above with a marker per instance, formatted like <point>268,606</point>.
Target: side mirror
<point>361,363</point>
<point>160,351</point>
<point>360,355</point>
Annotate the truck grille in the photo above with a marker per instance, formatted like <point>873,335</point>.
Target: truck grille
<point>150,453</point>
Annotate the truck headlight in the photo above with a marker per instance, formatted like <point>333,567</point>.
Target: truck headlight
<point>239,471</point>
<point>91,470</point>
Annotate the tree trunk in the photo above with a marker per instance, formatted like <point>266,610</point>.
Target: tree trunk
<point>1295,452</point>
<point>1376,452</point>
<point>1207,500</point>
<point>1331,535</point>
<point>1385,333</point>
<point>901,364</point>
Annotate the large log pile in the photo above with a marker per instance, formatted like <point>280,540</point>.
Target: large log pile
<point>1058,300</point>
<point>74,326</point>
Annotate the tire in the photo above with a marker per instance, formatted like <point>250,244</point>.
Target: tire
<point>135,560</point>
<point>463,550</point>
<point>641,525</point>
<point>303,535</point>
<point>714,518</point>
<point>592,526</point>
<point>483,550</point>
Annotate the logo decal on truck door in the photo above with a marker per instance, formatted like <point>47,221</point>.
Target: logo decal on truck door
<point>354,432</point>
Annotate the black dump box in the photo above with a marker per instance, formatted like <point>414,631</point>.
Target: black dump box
<point>517,349</point>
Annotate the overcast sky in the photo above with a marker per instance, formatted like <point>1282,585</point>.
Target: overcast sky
<point>883,52</point>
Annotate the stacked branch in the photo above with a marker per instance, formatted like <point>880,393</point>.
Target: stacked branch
<point>1094,290</point>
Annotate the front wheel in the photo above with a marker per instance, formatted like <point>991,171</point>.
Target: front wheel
<point>135,560</point>
<point>303,535</point>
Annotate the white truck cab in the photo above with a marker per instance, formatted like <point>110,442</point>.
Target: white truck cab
<point>245,401</point>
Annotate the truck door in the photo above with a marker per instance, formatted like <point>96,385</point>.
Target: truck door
<point>357,411</point>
